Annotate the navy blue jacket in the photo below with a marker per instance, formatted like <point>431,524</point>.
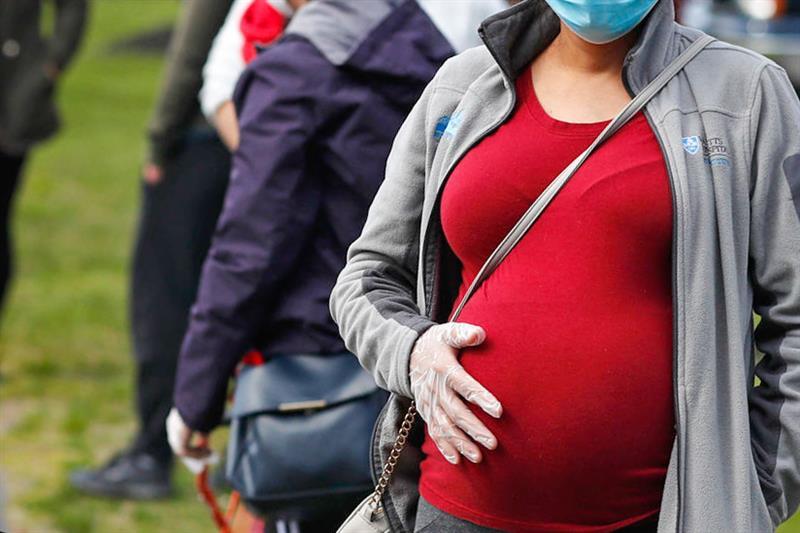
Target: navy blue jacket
<point>318,112</point>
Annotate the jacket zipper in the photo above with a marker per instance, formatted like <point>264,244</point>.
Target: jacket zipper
<point>423,253</point>
<point>674,261</point>
<point>676,402</point>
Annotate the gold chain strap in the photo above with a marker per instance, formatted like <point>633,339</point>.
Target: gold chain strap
<point>391,463</point>
<point>525,223</point>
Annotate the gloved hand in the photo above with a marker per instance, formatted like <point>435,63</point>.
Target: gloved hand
<point>439,383</point>
<point>180,437</point>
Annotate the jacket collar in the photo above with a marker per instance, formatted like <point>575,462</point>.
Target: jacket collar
<point>338,27</point>
<point>391,43</point>
<point>517,35</point>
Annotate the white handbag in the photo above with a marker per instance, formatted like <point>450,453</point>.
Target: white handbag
<point>367,518</point>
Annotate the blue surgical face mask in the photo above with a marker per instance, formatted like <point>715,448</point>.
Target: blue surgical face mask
<point>601,21</point>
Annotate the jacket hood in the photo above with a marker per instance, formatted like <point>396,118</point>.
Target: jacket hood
<point>518,34</point>
<point>383,38</point>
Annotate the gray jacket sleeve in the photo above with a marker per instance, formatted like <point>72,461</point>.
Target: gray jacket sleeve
<point>373,301</point>
<point>70,22</point>
<point>775,277</point>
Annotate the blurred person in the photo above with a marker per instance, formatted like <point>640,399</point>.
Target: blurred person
<point>318,111</point>
<point>458,21</point>
<point>769,27</point>
<point>602,378</point>
<point>249,24</point>
<point>30,66</point>
<point>184,182</point>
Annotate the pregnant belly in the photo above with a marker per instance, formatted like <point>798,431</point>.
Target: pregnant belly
<point>587,423</point>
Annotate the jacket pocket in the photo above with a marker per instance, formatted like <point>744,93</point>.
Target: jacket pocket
<point>759,480</point>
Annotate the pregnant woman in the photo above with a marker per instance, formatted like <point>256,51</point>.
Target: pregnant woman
<point>602,377</point>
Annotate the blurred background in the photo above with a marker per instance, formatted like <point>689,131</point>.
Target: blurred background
<point>65,369</point>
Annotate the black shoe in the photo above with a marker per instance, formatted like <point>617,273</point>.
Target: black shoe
<point>129,475</point>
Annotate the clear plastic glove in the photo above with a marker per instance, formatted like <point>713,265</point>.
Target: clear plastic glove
<point>440,384</point>
<point>180,436</point>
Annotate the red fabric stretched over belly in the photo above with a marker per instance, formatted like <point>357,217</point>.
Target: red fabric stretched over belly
<point>579,327</point>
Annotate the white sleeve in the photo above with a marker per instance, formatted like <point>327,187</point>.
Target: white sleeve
<point>225,62</point>
<point>458,20</point>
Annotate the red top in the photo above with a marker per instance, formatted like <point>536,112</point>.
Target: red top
<point>579,327</point>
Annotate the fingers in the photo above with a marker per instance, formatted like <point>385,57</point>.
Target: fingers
<point>196,445</point>
<point>437,380</point>
<point>152,174</point>
<point>449,439</point>
<point>180,437</point>
<point>468,422</point>
<point>447,450</point>
<point>472,391</point>
<point>462,335</point>
<point>196,452</point>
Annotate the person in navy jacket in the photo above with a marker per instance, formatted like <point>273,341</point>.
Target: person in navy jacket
<point>318,112</point>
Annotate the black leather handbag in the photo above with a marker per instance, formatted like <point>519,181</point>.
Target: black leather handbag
<point>300,434</point>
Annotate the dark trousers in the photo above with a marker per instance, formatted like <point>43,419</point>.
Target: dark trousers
<point>176,224</point>
<point>10,172</point>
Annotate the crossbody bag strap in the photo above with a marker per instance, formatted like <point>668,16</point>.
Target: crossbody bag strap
<point>531,215</point>
<point>535,210</point>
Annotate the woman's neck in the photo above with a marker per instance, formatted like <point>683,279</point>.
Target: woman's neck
<point>573,53</point>
<point>577,81</point>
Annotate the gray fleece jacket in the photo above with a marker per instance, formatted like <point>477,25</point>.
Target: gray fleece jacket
<point>729,128</point>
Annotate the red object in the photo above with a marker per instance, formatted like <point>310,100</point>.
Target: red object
<point>203,488</point>
<point>223,521</point>
<point>261,25</point>
<point>253,357</point>
<point>579,327</point>
<point>236,517</point>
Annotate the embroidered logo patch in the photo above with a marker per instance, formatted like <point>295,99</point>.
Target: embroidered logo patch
<point>453,125</point>
<point>715,151</point>
<point>447,126</point>
<point>441,126</point>
<point>691,144</point>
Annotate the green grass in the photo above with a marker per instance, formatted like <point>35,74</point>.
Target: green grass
<point>65,398</point>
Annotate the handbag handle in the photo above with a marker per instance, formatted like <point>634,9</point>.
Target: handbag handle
<point>527,220</point>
